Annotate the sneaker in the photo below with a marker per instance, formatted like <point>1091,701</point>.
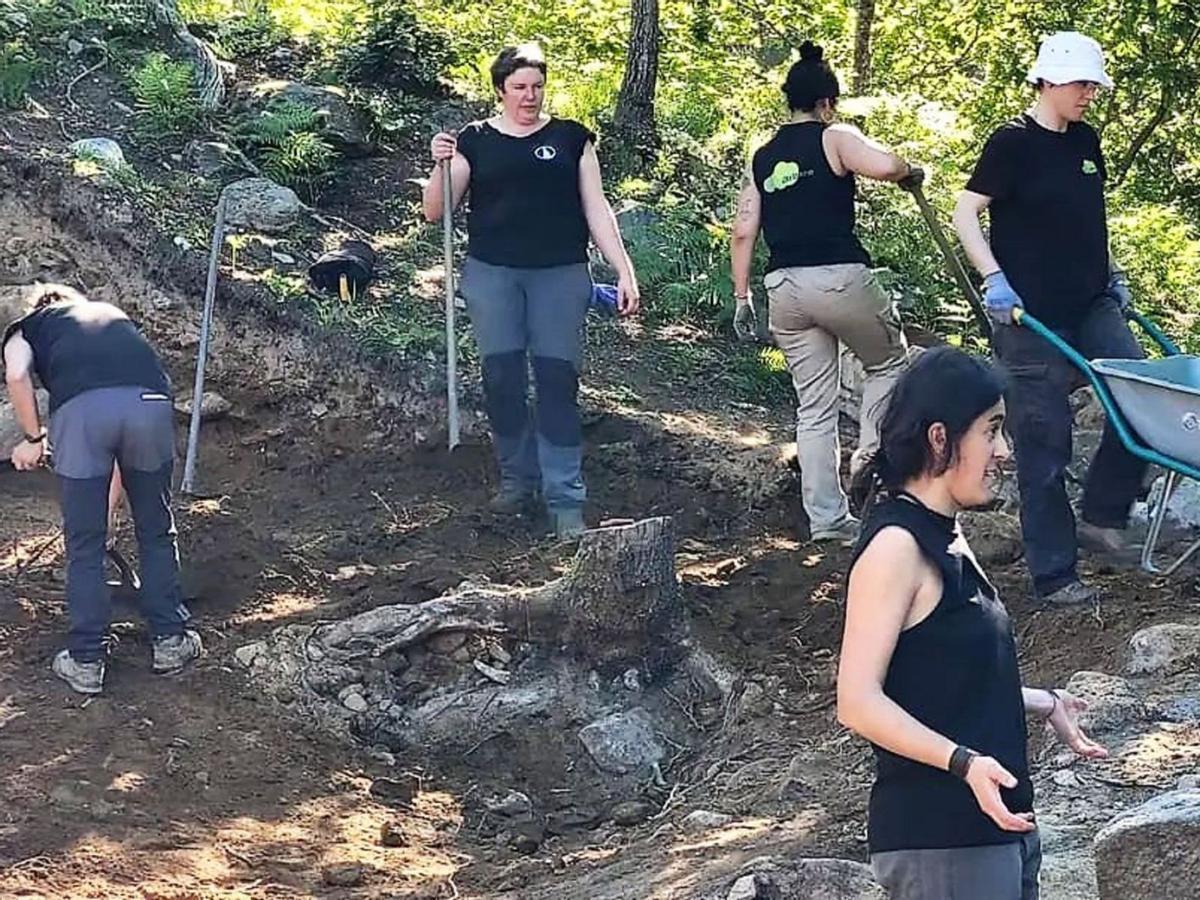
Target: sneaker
<point>1113,543</point>
<point>567,522</point>
<point>1074,594</point>
<point>844,533</point>
<point>84,677</point>
<point>172,654</point>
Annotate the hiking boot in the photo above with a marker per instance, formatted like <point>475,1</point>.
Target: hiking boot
<point>1074,594</point>
<point>567,522</point>
<point>512,501</point>
<point>844,533</point>
<point>171,654</point>
<point>1113,543</point>
<point>84,677</point>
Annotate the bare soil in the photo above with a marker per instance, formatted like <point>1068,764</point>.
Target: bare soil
<point>327,493</point>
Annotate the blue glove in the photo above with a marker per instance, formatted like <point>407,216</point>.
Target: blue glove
<point>1118,289</point>
<point>604,299</point>
<point>999,298</point>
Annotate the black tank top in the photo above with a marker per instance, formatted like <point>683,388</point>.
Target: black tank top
<point>525,207</point>
<point>956,672</point>
<point>807,210</point>
<point>78,347</point>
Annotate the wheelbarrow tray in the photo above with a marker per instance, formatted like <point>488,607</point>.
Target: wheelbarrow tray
<point>1160,399</point>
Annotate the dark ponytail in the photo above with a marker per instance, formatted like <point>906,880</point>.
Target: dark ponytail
<point>942,385</point>
<point>810,80</point>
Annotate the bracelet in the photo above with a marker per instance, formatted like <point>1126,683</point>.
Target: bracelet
<point>1054,701</point>
<point>960,761</point>
<point>35,438</point>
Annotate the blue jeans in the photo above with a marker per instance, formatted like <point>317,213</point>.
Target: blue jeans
<point>521,315</point>
<point>89,433</point>
<point>1039,410</point>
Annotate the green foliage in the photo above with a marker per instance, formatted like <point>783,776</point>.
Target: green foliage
<point>394,49</point>
<point>250,30</point>
<point>165,92</point>
<point>18,69</point>
<point>286,139</point>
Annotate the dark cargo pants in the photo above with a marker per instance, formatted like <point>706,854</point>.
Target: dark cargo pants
<point>1039,411</point>
<point>133,427</point>
<point>523,314</point>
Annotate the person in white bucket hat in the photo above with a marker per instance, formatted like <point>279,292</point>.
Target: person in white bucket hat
<point>1069,56</point>
<point>1041,179</point>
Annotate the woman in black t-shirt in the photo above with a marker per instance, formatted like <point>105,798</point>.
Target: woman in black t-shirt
<point>928,671</point>
<point>536,197</point>
<point>1041,179</point>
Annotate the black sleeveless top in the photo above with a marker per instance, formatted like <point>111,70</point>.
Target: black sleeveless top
<point>807,210</point>
<point>956,672</point>
<point>79,347</point>
<point>526,210</point>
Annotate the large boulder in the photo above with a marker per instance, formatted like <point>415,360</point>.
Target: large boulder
<point>261,205</point>
<point>774,878</point>
<point>1112,701</point>
<point>995,537</point>
<point>623,743</point>
<point>342,123</point>
<point>1151,852</point>
<point>1163,649</point>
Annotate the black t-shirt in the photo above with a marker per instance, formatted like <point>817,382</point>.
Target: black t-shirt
<point>956,672</point>
<point>1049,231</point>
<point>525,207</point>
<point>78,347</point>
<point>807,210</point>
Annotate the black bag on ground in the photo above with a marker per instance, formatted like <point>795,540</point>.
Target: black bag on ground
<point>354,259</point>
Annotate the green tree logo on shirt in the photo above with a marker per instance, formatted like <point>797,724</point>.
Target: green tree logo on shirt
<point>1089,167</point>
<point>783,176</point>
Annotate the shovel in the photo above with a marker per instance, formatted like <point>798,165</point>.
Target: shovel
<point>953,263</point>
<point>453,422</point>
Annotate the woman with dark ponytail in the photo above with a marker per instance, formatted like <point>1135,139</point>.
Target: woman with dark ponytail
<point>799,191</point>
<point>928,671</point>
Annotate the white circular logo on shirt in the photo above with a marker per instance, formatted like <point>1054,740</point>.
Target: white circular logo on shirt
<point>545,153</point>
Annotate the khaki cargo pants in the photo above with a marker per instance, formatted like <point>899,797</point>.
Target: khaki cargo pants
<point>812,308</point>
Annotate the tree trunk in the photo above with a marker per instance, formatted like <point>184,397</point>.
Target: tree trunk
<point>210,80</point>
<point>633,120</point>
<point>864,19</point>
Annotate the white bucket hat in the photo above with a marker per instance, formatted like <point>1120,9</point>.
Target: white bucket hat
<point>1068,56</point>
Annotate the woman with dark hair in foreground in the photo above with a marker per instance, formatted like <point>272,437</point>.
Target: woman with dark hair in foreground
<point>928,670</point>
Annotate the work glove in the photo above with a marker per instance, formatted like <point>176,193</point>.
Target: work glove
<point>1118,289</point>
<point>913,180</point>
<point>745,320</point>
<point>999,298</point>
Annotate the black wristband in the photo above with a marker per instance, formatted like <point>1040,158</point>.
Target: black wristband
<point>35,438</point>
<point>960,761</point>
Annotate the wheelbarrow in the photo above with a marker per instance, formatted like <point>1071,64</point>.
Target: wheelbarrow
<point>1153,406</point>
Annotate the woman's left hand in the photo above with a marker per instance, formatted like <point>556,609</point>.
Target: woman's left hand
<point>629,298</point>
<point>1064,719</point>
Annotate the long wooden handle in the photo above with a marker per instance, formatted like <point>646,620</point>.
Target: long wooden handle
<point>453,424</point>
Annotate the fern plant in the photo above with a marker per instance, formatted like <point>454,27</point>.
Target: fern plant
<point>166,97</point>
<point>286,139</point>
<point>18,68</point>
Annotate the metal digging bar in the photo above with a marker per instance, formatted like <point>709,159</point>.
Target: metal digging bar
<point>210,292</point>
<point>953,263</point>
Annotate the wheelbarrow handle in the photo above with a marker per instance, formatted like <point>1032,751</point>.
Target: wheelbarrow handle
<point>1169,347</point>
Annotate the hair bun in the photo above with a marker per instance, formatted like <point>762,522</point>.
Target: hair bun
<point>810,52</point>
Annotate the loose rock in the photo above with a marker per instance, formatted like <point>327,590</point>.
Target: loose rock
<point>212,406</point>
<point>1151,852</point>
<point>341,122</point>
<point>1163,648</point>
<point>390,835</point>
<point>1112,701</point>
<point>396,791</point>
<point>631,812</point>
<point>103,151</point>
<point>260,204</point>
<point>343,875</point>
<point>623,742</point>
<point>704,820</point>
<point>511,805</point>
